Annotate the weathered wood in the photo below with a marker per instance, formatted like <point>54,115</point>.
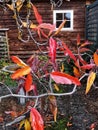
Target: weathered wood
<point>16,47</point>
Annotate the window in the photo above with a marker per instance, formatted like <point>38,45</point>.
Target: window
<point>60,15</point>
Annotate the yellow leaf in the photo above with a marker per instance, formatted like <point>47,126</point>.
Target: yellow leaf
<point>10,6</point>
<point>31,25</point>
<point>29,5</point>
<point>96,57</point>
<point>56,87</point>
<point>19,5</point>
<point>62,68</point>
<point>14,16</point>
<point>53,106</point>
<point>26,124</point>
<point>24,24</point>
<point>60,27</point>
<point>21,124</point>
<point>90,81</point>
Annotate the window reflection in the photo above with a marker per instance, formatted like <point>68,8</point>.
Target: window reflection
<point>67,16</point>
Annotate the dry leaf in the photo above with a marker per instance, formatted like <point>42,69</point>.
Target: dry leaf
<point>53,106</point>
<point>90,81</point>
<point>60,27</point>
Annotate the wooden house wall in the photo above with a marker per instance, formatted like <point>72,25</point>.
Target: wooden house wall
<point>24,50</point>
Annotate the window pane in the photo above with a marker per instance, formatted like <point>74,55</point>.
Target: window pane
<point>67,16</point>
<point>58,23</point>
<point>59,16</point>
<point>67,24</point>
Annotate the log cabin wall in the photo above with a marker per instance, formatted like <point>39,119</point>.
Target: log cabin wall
<point>24,50</point>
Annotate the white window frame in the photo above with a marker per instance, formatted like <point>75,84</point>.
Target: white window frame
<point>63,11</point>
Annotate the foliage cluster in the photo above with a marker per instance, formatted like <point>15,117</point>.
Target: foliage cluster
<point>42,77</point>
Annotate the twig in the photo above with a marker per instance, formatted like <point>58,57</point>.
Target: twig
<point>6,87</point>
<point>17,119</point>
<point>39,96</point>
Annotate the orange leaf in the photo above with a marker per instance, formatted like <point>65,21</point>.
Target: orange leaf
<point>90,81</point>
<point>28,83</point>
<point>76,72</point>
<point>78,39</point>
<point>12,113</point>
<point>21,72</point>
<point>36,120</point>
<point>64,78</point>
<point>37,15</point>
<point>85,43</point>
<point>96,57</point>
<point>60,27</point>
<point>18,61</point>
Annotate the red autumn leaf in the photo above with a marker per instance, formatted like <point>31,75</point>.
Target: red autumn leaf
<point>52,49</point>
<point>36,120</point>
<point>34,88</point>
<point>30,60</point>
<point>77,63</point>
<point>28,83</point>
<point>47,26</point>
<point>82,60</point>
<point>18,61</point>
<point>64,78</point>
<point>69,52</point>
<point>88,66</point>
<point>82,50</point>
<point>37,15</point>
<point>93,125</point>
<point>43,34</point>
<point>21,72</point>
